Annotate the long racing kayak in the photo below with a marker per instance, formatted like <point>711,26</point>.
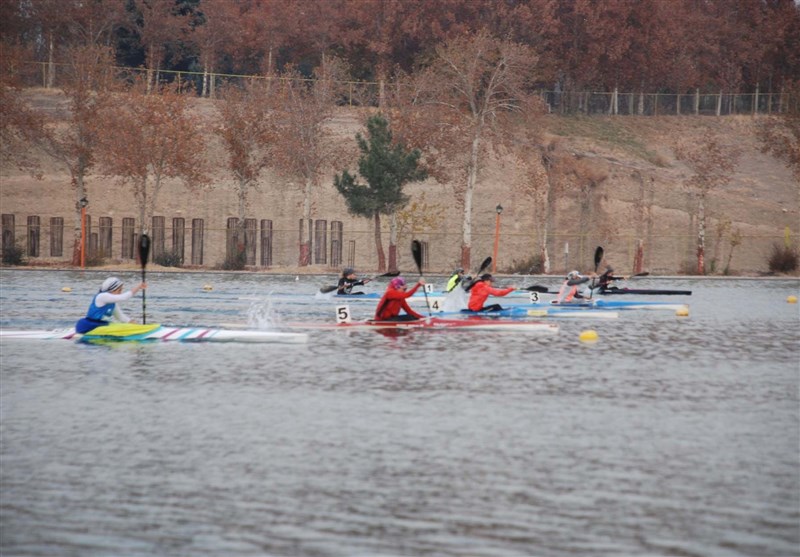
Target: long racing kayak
<point>128,332</point>
<point>549,312</point>
<point>645,291</point>
<point>437,324</point>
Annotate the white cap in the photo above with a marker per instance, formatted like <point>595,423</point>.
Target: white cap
<point>110,284</point>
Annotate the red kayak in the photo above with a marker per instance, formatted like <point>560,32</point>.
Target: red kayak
<point>436,323</point>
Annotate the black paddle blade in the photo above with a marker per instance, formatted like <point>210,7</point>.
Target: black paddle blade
<point>144,249</point>
<point>326,289</point>
<point>416,251</point>
<point>485,265</point>
<point>537,288</point>
<point>598,257</point>
<point>390,274</point>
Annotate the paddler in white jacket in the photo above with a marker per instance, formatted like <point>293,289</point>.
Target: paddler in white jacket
<point>104,305</point>
<point>571,288</point>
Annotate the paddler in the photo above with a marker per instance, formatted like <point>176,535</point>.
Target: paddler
<point>604,280</point>
<point>480,292</point>
<point>454,280</point>
<point>348,281</point>
<point>394,300</point>
<point>571,289</point>
<point>105,305</point>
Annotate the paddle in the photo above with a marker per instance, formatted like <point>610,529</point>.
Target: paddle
<point>598,257</point>
<point>326,289</point>
<point>144,252</point>
<point>483,267</point>
<point>416,251</point>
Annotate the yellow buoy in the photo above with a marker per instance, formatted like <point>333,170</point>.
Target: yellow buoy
<point>792,299</point>
<point>682,312</point>
<point>207,287</point>
<point>588,336</point>
<point>66,289</point>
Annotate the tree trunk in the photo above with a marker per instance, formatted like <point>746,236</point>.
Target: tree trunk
<point>379,244</point>
<point>305,244</point>
<point>472,176</point>
<point>393,243</point>
<point>51,63</point>
<point>701,235</point>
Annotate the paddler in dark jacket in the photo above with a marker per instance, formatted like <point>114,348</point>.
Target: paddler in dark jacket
<point>394,300</point>
<point>348,281</point>
<point>480,292</point>
<point>604,280</point>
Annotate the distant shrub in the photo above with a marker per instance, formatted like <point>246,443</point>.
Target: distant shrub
<point>13,255</point>
<point>94,260</point>
<point>169,259</point>
<point>234,261</point>
<point>783,259</point>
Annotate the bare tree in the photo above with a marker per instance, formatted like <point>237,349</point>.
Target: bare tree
<point>69,136</point>
<point>246,127</point>
<point>303,109</point>
<point>480,87</point>
<point>148,138</point>
<point>712,164</point>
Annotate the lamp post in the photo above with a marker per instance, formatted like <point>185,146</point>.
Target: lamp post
<point>83,203</point>
<point>498,210</point>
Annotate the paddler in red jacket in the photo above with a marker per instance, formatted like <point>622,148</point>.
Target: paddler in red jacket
<point>394,300</point>
<point>482,289</point>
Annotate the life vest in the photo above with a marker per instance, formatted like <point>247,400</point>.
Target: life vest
<point>99,313</point>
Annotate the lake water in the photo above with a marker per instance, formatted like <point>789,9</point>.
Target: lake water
<point>669,436</point>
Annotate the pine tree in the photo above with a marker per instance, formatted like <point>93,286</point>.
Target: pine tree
<point>386,167</point>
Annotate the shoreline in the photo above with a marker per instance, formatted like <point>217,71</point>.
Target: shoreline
<point>313,273</point>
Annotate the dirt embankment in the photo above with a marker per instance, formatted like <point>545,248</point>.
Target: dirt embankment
<point>641,196</point>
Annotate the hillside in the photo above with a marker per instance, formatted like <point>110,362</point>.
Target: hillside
<point>635,153</point>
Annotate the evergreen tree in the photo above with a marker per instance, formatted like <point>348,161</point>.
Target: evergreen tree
<point>386,167</point>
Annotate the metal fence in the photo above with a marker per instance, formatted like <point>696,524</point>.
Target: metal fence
<point>367,93</point>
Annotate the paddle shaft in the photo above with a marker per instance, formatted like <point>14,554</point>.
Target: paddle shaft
<point>326,289</point>
<point>416,251</point>
<point>144,252</point>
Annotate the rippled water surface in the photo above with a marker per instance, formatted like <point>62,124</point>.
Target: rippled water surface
<point>669,436</point>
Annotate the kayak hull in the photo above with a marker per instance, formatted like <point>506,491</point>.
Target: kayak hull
<point>437,324</point>
<point>163,334</point>
<point>646,292</point>
<point>543,312</point>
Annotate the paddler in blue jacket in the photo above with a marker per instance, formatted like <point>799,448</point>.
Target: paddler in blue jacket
<point>104,305</point>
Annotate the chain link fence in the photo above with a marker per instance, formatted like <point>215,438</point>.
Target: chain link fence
<point>262,245</point>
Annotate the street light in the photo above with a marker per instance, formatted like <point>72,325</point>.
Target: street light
<point>83,203</point>
<point>498,210</point>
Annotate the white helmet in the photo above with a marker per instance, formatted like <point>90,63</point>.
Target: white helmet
<point>110,284</point>
<point>573,275</point>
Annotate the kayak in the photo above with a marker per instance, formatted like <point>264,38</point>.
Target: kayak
<point>129,332</point>
<point>550,312</point>
<point>417,298</point>
<point>581,307</point>
<point>645,292</point>
<point>437,324</point>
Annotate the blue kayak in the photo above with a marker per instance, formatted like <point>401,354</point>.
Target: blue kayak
<point>525,311</point>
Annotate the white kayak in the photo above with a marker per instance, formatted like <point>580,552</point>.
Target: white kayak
<point>158,333</point>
